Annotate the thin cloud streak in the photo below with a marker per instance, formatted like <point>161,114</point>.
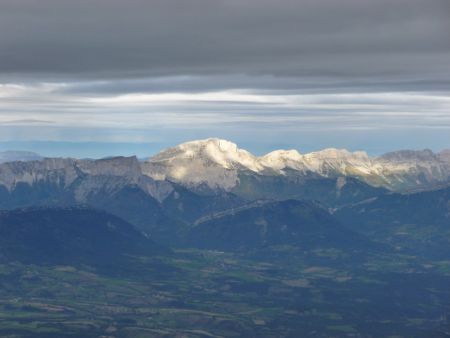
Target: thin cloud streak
<point>141,110</point>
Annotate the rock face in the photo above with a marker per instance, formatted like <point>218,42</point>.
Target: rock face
<point>82,177</point>
<point>212,162</point>
<point>55,170</point>
<point>444,156</point>
<point>218,164</point>
<point>410,169</point>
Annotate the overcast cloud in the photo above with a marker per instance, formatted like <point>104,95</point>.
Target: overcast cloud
<point>255,71</point>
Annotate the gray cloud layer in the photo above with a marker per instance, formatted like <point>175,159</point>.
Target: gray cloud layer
<point>347,39</point>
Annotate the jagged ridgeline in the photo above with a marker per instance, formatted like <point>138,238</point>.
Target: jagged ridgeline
<point>169,191</point>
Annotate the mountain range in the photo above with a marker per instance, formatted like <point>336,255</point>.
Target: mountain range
<point>217,164</point>
<point>209,237</point>
<point>220,164</point>
<point>166,196</point>
<point>214,167</point>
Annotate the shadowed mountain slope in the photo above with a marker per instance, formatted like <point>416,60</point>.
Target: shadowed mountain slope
<point>418,223</point>
<point>70,236</point>
<point>272,223</point>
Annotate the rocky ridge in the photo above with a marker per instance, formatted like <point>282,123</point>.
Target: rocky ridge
<point>217,164</point>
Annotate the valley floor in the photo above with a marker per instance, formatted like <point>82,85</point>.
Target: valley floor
<point>193,293</point>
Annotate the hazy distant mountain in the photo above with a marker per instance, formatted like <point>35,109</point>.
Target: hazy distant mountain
<point>69,236</point>
<point>11,156</point>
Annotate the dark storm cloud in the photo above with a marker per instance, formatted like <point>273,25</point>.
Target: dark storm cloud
<point>350,40</point>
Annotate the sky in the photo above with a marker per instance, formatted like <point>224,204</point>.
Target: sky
<point>94,78</point>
